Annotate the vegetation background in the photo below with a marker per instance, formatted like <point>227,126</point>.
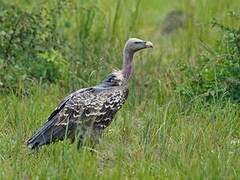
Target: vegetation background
<point>182,118</point>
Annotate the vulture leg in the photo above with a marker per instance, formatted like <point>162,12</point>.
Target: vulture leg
<point>96,135</point>
<point>80,137</point>
<point>80,141</point>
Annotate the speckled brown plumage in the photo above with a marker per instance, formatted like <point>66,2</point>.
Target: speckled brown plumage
<point>88,110</point>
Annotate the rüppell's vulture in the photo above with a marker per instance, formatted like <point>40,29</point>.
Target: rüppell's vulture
<point>90,110</point>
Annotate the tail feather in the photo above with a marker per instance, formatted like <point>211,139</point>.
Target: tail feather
<point>46,134</point>
<point>50,132</point>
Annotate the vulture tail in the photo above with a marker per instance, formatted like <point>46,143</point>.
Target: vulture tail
<point>48,133</point>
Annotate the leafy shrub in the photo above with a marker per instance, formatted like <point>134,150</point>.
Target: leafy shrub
<point>30,46</point>
<point>217,73</point>
<point>57,42</point>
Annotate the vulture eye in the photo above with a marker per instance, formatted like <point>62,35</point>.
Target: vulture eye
<point>137,42</point>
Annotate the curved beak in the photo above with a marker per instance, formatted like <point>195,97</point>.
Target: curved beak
<point>149,44</point>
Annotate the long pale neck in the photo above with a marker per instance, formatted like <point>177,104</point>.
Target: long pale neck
<point>127,64</point>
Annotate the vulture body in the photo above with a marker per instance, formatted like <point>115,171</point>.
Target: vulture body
<point>89,109</point>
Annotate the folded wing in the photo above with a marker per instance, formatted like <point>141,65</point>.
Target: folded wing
<point>90,107</point>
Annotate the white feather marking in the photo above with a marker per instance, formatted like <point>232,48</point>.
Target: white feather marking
<point>118,75</point>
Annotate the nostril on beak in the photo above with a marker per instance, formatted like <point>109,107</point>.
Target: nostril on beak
<point>149,44</point>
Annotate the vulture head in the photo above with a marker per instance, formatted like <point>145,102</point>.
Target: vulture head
<point>135,44</point>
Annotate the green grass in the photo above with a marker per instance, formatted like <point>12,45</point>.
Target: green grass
<point>158,134</point>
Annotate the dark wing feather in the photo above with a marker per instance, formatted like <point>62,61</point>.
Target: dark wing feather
<point>51,131</point>
<point>112,104</point>
<point>86,107</point>
<point>94,105</point>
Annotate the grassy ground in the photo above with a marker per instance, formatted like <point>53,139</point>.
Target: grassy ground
<point>157,134</point>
